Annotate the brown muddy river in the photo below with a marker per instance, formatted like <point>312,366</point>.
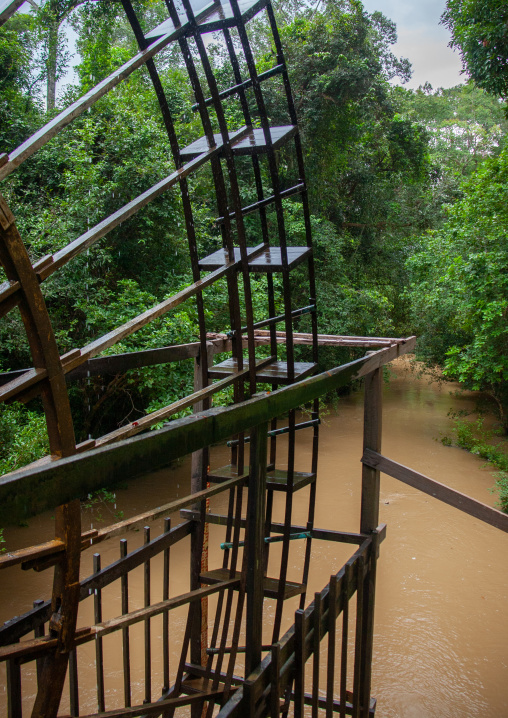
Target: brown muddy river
<point>441,630</point>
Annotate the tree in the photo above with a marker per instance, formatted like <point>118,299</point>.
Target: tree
<point>460,287</point>
<point>480,31</point>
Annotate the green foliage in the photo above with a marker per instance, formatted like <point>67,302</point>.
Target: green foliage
<point>460,287</point>
<point>18,108</point>
<point>476,438</point>
<point>99,503</point>
<point>23,437</point>
<point>480,31</point>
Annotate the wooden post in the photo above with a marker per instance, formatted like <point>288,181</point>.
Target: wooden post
<point>199,536</point>
<point>14,704</point>
<point>371,440</point>
<point>255,548</point>
<point>368,524</point>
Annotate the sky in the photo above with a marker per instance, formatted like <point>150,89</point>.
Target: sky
<point>422,40</point>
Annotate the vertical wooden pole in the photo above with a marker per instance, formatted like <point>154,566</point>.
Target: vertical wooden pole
<point>255,547</point>
<point>199,535</point>
<point>275,682</point>
<point>14,704</point>
<point>97,617</point>
<point>38,632</point>
<point>126,651</point>
<point>316,644</point>
<point>332,625</point>
<point>73,683</point>
<point>165,617</point>
<point>372,423</point>
<point>368,524</point>
<point>299,705</point>
<point>148,635</point>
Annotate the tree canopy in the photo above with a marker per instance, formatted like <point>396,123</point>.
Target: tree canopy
<point>480,31</point>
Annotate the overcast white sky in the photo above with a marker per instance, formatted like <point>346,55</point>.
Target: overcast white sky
<point>422,39</point>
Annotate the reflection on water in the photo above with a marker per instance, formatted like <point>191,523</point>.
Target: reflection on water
<point>441,624</point>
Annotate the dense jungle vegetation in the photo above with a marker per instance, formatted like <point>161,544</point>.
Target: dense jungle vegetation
<point>408,188</point>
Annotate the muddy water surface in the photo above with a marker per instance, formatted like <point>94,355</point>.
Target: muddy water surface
<point>441,641</point>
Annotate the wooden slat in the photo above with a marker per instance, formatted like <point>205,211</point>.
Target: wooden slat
<point>270,585</point>
<point>70,360</point>
<point>321,534</point>
<point>332,340</point>
<point>52,128</point>
<point>126,651</point>
<point>46,266</point>
<point>24,554</point>
<point>118,363</point>
<point>145,422</point>
<point>276,372</point>
<point>296,189</point>
<point>270,260</point>
<point>241,86</point>
<point>168,508</point>
<point>49,264</point>
<point>22,382</point>
<point>439,491</point>
<point>99,653</point>
<point>252,143</point>
<point>146,627</point>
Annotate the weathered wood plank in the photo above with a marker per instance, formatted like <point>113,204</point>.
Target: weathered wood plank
<point>444,493</point>
<point>25,492</point>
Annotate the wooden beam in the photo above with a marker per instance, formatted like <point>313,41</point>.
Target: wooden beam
<point>439,491</point>
<point>25,492</point>
<point>372,421</point>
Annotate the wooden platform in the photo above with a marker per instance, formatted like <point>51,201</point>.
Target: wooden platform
<point>276,480</point>
<point>251,143</point>
<point>274,373</point>
<point>270,585</point>
<point>270,260</point>
<point>225,473</point>
<point>215,16</point>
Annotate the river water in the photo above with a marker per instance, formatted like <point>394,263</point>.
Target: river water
<point>441,626</point>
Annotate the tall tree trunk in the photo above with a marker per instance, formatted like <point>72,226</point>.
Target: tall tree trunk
<point>51,64</point>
